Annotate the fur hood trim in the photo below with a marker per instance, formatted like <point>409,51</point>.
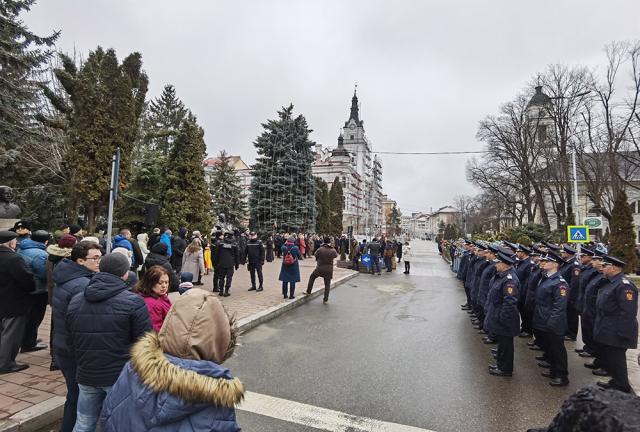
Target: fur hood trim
<point>158,373</point>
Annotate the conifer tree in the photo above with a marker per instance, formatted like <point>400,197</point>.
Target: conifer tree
<point>395,220</point>
<point>336,198</point>
<point>226,192</point>
<point>282,187</point>
<point>322,207</point>
<point>187,201</point>
<point>22,55</point>
<point>621,235</point>
<point>105,99</point>
<point>164,118</point>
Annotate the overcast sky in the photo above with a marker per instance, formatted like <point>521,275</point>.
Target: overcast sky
<point>427,71</point>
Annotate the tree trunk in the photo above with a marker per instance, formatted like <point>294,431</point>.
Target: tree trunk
<point>91,218</point>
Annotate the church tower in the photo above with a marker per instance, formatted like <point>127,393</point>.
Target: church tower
<point>355,140</point>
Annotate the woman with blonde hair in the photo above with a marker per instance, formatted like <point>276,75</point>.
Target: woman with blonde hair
<point>193,259</point>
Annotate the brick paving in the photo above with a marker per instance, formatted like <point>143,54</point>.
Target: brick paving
<point>23,391</point>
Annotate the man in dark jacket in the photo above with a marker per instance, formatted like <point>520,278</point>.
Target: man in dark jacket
<point>324,267</point>
<point>102,323</point>
<point>158,256</point>
<point>374,251</point>
<point>16,282</point>
<point>178,246</point>
<point>226,259</point>
<point>71,277</point>
<point>254,256</point>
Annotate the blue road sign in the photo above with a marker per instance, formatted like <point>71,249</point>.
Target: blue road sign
<point>577,234</point>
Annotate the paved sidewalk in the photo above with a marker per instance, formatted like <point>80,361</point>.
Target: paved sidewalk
<point>34,398</point>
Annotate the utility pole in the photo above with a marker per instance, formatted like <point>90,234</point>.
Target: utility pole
<point>113,194</point>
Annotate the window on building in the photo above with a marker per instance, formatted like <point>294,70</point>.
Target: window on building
<point>352,137</point>
<point>635,207</point>
<point>542,132</point>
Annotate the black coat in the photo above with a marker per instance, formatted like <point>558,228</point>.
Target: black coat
<point>590,297</point>
<point>486,278</point>
<point>616,313</point>
<point>254,252</point>
<point>158,256</point>
<point>571,273</point>
<point>242,246</point>
<point>533,281</point>
<point>16,282</point>
<point>71,278</point>
<point>178,246</point>
<point>269,250</point>
<point>502,317</point>
<point>102,323</point>
<point>550,313</point>
<point>226,255</point>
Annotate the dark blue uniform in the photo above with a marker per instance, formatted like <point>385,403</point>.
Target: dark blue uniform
<point>550,321</point>
<point>483,289</point>
<point>587,273</point>
<point>616,326</point>
<point>588,313</point>
<point>523,270</point>
<point>502,319</point>
<point>571,273</point>
<point>480,266</point>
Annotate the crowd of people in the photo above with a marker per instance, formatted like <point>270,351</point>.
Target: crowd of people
<point>545,292</point>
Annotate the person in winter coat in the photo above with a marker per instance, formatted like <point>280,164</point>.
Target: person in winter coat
<point>153,287</point>
<point>502,319</point>
<point>71,276</point>
<point>166,239</point>
<point>34,251</point>
<point>154,238</point>
<point>269,247</point>
<point>406,254</point>
<point>121,241</point>
<point>158,256</point>
<point>174,380</point>
<point>354,255</point>
<point>193,260</point>
<point>226,259</point>
<point>16,282</point>
<point>178,246</point>
<point>290,272</point>
<point>143,240</point>
<point>56,253</point>
<point>255,258</point>
<point>102,323</point>
<point>325,255</point>
<point>399,250</point>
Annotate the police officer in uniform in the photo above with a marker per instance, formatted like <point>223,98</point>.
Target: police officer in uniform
<point>616,326</point>
<point>502,318</point>
<point>570,272</point>
<point>550,319</point>
<point>588,312</point>
<point>536,275</point>
<point>254,257</point>
<point>226,260</point>
<point>523,269</point>
<point>587,273</point>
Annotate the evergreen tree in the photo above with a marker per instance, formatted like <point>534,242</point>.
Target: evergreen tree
<point>164,118</point>
<point>226,192</point>
<point>105,101</point>
<point>622,239</point>
<point>22,55</point>
<point>336,199</point>
<point>282,187</point>
<point>395,220</point>
<point>323,206</point>
<point>187,201</point>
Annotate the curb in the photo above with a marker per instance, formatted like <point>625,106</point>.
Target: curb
<point>47,412</point>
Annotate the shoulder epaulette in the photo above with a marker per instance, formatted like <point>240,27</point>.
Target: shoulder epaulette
<point>509,276</point>
<point>625,281</point>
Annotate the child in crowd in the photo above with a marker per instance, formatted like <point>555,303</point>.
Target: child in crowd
<point>154,287</point>
<point>186,282</point>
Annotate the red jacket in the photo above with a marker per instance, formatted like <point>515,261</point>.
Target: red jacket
<point>158,308</point>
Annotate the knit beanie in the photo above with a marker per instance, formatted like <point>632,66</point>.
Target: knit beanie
<point>67,241</point>
<point>115,264</point>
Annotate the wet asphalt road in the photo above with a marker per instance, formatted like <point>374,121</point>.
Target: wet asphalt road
<point>396,348</point>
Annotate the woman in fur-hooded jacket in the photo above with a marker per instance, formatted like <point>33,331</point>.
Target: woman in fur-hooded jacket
<point>174,381</point>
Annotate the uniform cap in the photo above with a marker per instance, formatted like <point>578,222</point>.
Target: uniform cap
<point>587,252</point>
<point>536,251</point>
<point>512,246</point>
<point>507,259</point>
<point>551,246</point>
<point>523,248</point>
<point>568,249</point>
<point>614,261</point>
<point>553,257</point>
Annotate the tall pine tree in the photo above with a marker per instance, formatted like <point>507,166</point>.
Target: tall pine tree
<point>336,198</point>
<point>323,205</point>
<point>22,55</point>
<point>282,187</point>
<point>164,118</point>
<point>105,101</point>
<point>622,239</point>
<point>226,191</point>
<point>187,201</point>
<point>395,220</point>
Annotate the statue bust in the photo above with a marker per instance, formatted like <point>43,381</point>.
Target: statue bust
<point>8,210</point>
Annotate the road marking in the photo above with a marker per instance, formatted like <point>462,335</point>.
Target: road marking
<point>316,417</point>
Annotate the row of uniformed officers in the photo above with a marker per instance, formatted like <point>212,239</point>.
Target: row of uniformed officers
<point>545,291</point>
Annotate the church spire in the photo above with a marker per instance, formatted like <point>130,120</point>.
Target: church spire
<point>355,110</point>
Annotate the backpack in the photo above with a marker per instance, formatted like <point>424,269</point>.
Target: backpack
<point>289,259</point>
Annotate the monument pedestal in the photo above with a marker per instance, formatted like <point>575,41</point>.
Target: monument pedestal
<point>7,224</point>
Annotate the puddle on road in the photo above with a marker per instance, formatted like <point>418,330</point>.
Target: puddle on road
<point>411,318</point>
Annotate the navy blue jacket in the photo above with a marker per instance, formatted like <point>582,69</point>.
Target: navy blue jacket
<point>590,297</point>
<point>502,317</point>
<point>290,273</point>
<point>587,272</point>
<point>570,272</point>
<point>616,310</point>
<point>486,278</point>
<point>535,278</point>
<point>71,278</point>
<point>481,265</point>
<point>464,264</point>
<point>102,322</point>
<point>550,313</point>
<point>471,272</point>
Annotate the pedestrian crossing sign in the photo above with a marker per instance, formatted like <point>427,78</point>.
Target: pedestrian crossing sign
<point>577,234</point>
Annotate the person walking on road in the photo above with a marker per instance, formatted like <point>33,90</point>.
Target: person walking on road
<point>193,259</point>
<point>374,252</point>
<point>406,255</point>
<point>325,255</point>
<point>290,268</point>
<point>226,260</point>
<point>255,260</point>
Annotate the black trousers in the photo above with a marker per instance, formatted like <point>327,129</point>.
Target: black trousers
<point>538,339</point>
<point>407,266</point>
<point>327,283</point>
<point>291,289</point>
<point>572,321</point>
<point>224,279</point>
<point>356,264</point>
<point>525,325</point>
<point>11,334</point>
<point>375,264</point>
<point>467,292</point>
<point>615,362</point>
<point>216,279</point>
<point>505,353</point>
<point>587,336</point>
<point>556,354</point>
<point>253,269</point>
<point>34,319</point>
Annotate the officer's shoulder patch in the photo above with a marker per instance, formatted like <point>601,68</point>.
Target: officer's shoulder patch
<point>563,291</point>
<point>510,289</point>
<point>629,295</point>
<point>509,276</point>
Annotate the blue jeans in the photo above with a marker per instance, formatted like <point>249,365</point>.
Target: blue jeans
<point>89,407</point>
<point>68,367</point>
